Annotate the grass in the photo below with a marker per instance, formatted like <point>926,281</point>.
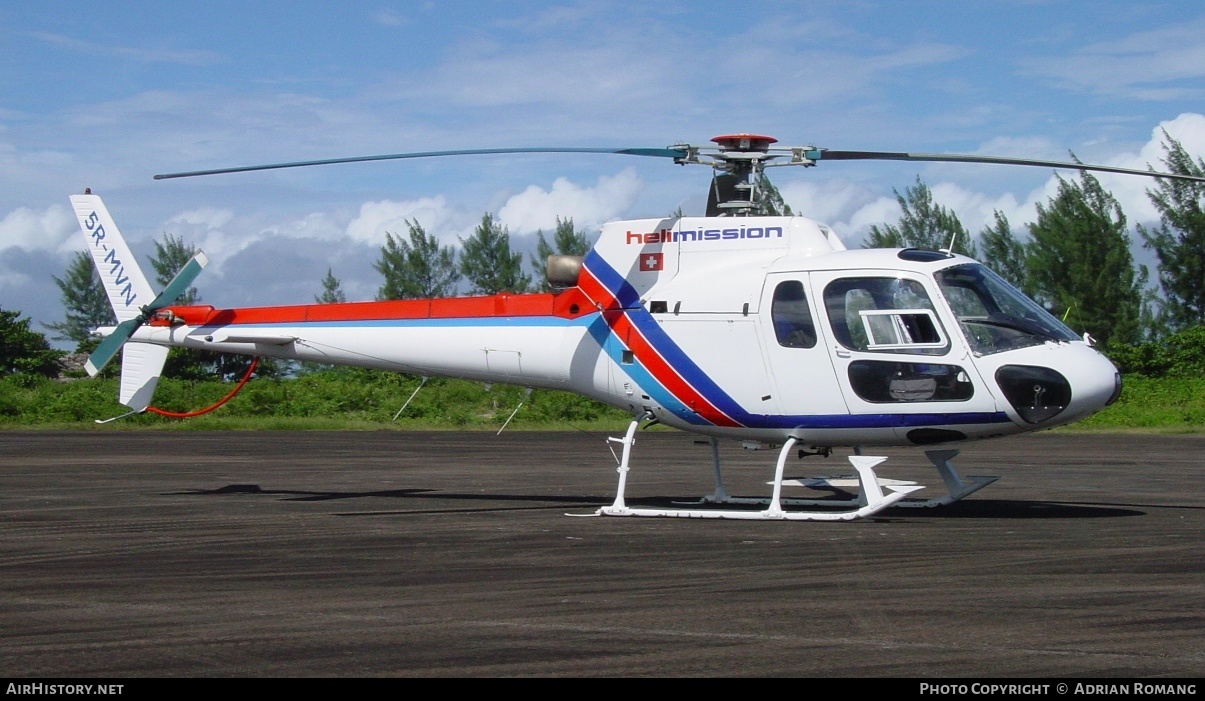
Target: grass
<point>330,400</point>
<point>1165,404</point>
<point>361,400</point>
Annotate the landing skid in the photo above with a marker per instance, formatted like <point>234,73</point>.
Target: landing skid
<point>872,495</point>
<point>957,486</point>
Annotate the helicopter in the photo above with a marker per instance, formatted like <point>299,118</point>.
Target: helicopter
<point>733,325</point>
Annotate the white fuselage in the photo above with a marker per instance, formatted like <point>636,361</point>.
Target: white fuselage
<point>761,328</point>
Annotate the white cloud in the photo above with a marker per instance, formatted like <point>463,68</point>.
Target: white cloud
<point>976,209</point>
<point>205,229</point>
<point>206,217</point>
<point>49,230</point>
<point>850,209</point>
<point>1188,129</point>
<point>1161,64</point>
<point>432,213</point>
<point>827,201</point>
<point>536,208</point>
<point>884,209</point>
<point>222,235</point>
<point>1130,191</point>
<point>182,56</point>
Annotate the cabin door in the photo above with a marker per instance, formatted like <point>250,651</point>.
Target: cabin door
<point>798,356</point>
<point>895,352</point>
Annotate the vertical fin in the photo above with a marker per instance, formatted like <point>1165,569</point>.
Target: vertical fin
<point>125,284</point>
<point>129,292</point>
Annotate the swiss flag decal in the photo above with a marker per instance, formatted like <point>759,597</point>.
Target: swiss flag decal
<point>650,262</point>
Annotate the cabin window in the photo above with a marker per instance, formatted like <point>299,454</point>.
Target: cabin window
<point>793,325</point>
<point>881,382</point>
<point>884,315</point>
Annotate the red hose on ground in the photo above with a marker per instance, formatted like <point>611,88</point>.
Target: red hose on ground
<point>220,402</point>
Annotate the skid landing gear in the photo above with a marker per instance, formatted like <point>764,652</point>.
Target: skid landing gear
<point>873,495</point>
<point>957,486</point>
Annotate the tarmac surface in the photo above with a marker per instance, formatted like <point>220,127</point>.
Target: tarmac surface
<point>284,554</point>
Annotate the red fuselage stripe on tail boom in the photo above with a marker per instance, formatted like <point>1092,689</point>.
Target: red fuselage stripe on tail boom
<point>567,304</point>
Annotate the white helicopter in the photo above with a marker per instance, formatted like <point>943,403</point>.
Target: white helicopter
<point>763,329</point>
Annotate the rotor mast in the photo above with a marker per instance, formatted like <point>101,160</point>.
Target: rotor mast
<point>738,162</point>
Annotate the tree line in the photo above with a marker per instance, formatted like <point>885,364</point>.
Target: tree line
<point>1076,259</point>
<point>417,267</point>
<point>414,266</point>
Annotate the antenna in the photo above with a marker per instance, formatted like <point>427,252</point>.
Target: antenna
<point>953,238</point>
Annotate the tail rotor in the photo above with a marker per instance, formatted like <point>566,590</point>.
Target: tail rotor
<point>122,333</point>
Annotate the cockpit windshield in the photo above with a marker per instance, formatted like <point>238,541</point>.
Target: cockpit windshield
<point>994,315</point>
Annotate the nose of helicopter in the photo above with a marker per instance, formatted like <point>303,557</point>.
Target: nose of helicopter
<point>1095,381</point>
<point>1058,383</point>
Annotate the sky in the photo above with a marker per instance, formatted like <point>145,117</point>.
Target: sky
<point>105,95</point>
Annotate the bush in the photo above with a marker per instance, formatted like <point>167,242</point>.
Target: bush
<point>23,350</point>
<point>1179,355</point>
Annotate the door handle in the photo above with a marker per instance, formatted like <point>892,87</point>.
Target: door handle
<point>842,353</point>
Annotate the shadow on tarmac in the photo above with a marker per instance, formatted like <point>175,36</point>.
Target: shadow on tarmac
<point>967,509</point>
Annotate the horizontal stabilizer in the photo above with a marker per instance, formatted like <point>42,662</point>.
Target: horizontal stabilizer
<point>245,336</point>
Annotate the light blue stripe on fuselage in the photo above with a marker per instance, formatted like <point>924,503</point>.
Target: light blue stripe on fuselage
<point>486,321</point>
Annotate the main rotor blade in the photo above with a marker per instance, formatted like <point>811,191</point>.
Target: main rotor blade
<point>111,344</point>
<point>654,152</point>
<point>179,283</point>
<point>831,155</point>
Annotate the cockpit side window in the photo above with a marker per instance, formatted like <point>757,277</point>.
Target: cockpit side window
<point>993,315</point>
<point>887,315</point>
<point>793,325</point>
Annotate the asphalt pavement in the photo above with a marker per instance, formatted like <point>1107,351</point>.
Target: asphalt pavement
<point>285,554</point>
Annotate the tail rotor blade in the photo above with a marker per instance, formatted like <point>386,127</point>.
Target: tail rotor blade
<point>111,344</point>
<point>179,283</point>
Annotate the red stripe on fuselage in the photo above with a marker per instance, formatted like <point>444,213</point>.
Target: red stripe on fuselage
<point>653,361</point>
<point>663,372</point>
<point>596,291</point>
<point>567,304</point>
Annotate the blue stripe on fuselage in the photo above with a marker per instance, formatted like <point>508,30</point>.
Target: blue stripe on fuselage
<point>680,362</point>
